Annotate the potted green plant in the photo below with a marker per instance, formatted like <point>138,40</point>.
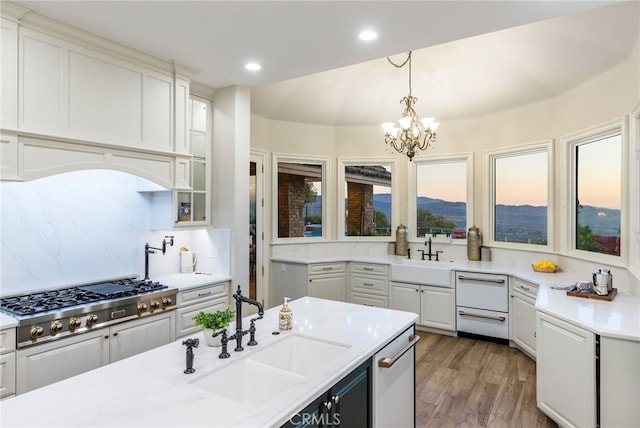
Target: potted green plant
<point>213,322</point>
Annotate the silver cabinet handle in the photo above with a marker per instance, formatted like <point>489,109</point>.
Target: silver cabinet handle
<point>368,284</point>
<point>524,288</point>
<point>471,278</point>
<point>386,362</point>
<point>367,268</point>
<point>204,294</point>
<point>327,268</point>
<point>488,317</point>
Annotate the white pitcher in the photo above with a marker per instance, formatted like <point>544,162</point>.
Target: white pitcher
<point>188,261</point>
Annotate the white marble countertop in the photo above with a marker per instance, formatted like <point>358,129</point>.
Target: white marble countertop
<point>184,281</point>
<point>150,389</point>
<point>7,322</point>
<point>619,318</point>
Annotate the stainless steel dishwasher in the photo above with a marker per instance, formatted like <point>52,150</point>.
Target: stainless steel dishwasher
<point>394,382</point>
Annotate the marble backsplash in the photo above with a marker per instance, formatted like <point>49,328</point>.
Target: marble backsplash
<point>88,226</point>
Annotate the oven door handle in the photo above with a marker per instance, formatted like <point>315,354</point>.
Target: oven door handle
<point>488,317</point>
<point>471,278</point>
<point>386,362</point>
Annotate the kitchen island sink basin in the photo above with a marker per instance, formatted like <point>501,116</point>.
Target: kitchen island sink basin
<point>256,379</point>
<point>422,272</point>
<point>247,382</point>
<point>302,355</point>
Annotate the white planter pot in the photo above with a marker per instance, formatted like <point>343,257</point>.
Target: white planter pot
<point>208,337</point>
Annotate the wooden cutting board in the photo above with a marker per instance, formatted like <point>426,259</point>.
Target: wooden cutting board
<point>592,295</point>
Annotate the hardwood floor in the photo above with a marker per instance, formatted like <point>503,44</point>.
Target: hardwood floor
<point>464,382</point>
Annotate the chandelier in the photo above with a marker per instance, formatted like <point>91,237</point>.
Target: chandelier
<point>412,134</point>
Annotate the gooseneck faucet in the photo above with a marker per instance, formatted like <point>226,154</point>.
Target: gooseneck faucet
<point>239,332</point>
<point>429,253</point>
<point>152,250</point>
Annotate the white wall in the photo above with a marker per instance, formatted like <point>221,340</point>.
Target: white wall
<point>611,95</point>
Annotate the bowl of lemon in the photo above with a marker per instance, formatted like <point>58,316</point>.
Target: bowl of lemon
<point>546,266</point>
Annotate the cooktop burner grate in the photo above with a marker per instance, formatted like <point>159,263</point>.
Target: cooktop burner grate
<point>35,303</point>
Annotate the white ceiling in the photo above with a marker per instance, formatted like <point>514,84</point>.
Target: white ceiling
<point>316,70</point>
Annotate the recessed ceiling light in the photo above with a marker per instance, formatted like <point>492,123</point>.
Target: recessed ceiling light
<point>368,35</point>
<point>253,66</point>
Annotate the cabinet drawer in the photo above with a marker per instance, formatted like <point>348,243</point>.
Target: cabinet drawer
<point>7,374</point>
<point>370,284</point>
<point>317,268</point>
<point>525,287</point>
<point>203,293</point>
<point>7,340</point>
<point>370,268</point>
<point>184,316</point>
<point>368,300</point>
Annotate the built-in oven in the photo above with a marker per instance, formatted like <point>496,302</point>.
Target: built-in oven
<point>482,305</point>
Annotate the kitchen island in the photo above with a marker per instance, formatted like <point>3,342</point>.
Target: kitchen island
<point>150,389</point>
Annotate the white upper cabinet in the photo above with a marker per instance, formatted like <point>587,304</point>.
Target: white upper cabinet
<point>70,91</point>
<point>9,73</point>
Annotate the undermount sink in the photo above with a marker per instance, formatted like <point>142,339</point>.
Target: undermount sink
<point>248,382</point>
<point>299,354</point>
<point>422,272</point>
<point>258,378</point>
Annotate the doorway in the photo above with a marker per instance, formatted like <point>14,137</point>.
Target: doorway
<point>256,230</point>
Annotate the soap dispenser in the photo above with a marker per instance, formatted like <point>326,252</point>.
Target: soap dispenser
<point>285,316</point>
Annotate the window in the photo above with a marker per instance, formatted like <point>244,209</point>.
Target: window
<point>299,189</point>
<point>441,205</point>
<point>596,189</point>
<point>520,194</point>
<point>367,189</point>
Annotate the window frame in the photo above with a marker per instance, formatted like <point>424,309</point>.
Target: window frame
<point>568,218</point>
<point>326,192</point>
<point>343,162</point>
<point>490,194</point>
<point>468,159</point>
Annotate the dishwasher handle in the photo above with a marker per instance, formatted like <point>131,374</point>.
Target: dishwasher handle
<point>472,278</point>
<point>386,362</point>
<point>488,317</point>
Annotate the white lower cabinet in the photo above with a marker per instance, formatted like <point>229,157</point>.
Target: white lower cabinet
<point>435,306</point>
<point>565,372</point>
<point>205,298</point>
<point>522,315</point>
<point>327,281</point>
<point>51,362</point>
<point>619,382</point>
<point>369,284</point>
<point>7,362</point>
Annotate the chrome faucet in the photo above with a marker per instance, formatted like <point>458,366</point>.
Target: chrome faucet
<point>151,250</point>
<point>239,332</point>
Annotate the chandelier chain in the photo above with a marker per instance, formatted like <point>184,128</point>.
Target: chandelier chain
<point>407,60</point>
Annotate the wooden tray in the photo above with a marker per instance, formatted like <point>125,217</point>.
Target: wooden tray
<point>593,295</point>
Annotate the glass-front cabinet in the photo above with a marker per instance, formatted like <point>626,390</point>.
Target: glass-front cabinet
<point>187,204</point>
<point>192,207</point>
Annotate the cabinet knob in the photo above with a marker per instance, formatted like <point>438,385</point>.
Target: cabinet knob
<point>327,405</point>
<point>336,399</point>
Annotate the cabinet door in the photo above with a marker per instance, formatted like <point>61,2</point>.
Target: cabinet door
<point>314,415</point>
<point>351,399</point>
<point>7,374</point>
<point>405,298</point>
<point>330,287</point>
<point>565,372</point>
<point>141,335</point>
<point>619,382</point>
<point>50,362</point>
<point>523,322</point>
<point>438,307</point>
